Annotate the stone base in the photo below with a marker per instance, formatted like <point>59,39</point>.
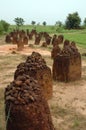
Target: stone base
<point>67,68</point>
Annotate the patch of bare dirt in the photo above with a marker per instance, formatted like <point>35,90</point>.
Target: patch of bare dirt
<point>27,50</point>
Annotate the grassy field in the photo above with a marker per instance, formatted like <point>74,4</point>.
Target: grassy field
<point>78,37</point>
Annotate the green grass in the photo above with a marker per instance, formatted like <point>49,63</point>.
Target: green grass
<point>79,38</point>
<point>39,28</point>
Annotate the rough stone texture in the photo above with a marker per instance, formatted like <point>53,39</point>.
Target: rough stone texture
<point>54,38</point>
<point>31,34</point>
<point>25,106</point>
<point>55,42</point>
<point>67,63</point>
<point>45,80</point>
<point>37,39</point>
<point>44,44</point>
<point>35,66</point>
<point>56,49</point>
<point>20,45</point>
<point>18,37</point>
<point>8,39</point>
<point>25,40</point>
<point>48,40</point>
<point>60,39</point>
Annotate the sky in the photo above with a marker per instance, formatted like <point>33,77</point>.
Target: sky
<point>41,10</point>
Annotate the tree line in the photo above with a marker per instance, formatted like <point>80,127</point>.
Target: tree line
<point>73,21</point>
<point>20,22</point>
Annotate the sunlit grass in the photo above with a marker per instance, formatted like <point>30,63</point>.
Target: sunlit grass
<point>79,38</point>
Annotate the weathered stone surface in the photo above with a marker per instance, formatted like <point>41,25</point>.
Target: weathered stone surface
<point>37,39</point>
<point>60,39</point>
<point>18,37</point>
<point>25,106</point>
<point>67,63</point>
<point>44,44</point>
<point>56,49</point>
<point>8,38</point>
<point>35,66</point>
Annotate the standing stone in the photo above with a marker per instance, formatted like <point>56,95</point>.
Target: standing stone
<point>35,66</point>
<point>67,63</point>
<point>25,106</point>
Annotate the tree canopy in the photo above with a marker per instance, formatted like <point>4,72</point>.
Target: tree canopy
<point>4,26</point>
<point>73,21</point>
<point>19,21</point>
<point>44,23</point>
<point>58,23</point>
<point>33,22</point>
<point>85,22</point>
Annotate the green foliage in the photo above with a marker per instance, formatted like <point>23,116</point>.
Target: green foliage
<point>1,28</point>
<point>19,21</point>
<point>85,22</point>
<point>58,23</point>
<point>78,36</point>
<point>73,21</point>
<point>4,26</point>
<point>33,22</point>
<point>59,29</point>
<point>44,23</point>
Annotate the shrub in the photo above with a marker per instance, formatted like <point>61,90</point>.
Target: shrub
<point>4,26</point>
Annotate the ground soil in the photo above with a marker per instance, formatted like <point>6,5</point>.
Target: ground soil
<point>68,104</point>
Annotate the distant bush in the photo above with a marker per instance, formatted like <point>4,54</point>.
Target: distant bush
<point>4,26</point>
<point>59,29</point>
<point>1,28</point>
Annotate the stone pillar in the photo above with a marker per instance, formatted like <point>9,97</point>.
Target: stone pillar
<point>35,66</point>
<point>25,106</point>
<point>67,68</point>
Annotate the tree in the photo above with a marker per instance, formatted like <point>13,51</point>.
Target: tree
<point>1,28</point>
<point>73,21</point>
<point>85,22</point>
<point>58,23</point>
<point>33,22</point>
<point>19,21</point>
<point>44,23</point>
<point>4,26</point>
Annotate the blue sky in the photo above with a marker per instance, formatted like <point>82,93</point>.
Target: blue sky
<point>41,10</point>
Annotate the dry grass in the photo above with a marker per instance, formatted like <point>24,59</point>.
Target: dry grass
<point>65,115</point>
<point>2,113</point>
<point>67,118</point>
<point>8,64</point>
